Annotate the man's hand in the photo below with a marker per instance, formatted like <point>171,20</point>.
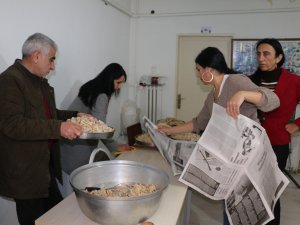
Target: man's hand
<point>70,130</point>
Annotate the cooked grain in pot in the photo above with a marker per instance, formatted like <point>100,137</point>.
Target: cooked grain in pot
<point>125,190</point>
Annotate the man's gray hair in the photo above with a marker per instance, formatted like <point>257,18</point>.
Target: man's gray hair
<point>38,42</point>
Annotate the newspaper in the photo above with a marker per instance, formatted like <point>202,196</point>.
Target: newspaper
<point>176,152</point>
<point>233,161</point>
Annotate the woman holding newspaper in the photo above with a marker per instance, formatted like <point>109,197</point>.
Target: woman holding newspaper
<point>233,91</point>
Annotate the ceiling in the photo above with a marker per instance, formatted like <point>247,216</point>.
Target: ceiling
<point>144,8</point>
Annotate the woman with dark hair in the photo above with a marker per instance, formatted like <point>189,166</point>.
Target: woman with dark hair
<point>233,91</point>
<point>94,95</point>
<point>93,98</point>
<point>278,124</point>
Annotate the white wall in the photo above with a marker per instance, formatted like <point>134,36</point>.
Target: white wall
<point>156,38</point>
<point>89,36</point>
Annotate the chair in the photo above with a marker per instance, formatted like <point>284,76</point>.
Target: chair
<point>133,131</point>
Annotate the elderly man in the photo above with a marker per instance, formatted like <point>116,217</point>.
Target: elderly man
<point>30,128</point>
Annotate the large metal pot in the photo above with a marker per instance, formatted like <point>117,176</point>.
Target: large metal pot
<point>117,211</point>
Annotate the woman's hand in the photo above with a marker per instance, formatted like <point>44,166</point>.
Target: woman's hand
<point>164,129</point>
<point>291,128</point>
<point>123,147</point>
<point>183,128</point>
<point>234,103</point>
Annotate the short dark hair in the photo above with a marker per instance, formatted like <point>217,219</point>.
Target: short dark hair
<point>38,41</point>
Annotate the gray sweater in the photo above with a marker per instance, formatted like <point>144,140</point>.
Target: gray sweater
<point>233,84</point>
<point>99,110</point>
<point>76,153</point>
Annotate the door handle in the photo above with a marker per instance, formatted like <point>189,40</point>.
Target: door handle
<point>179,98</point>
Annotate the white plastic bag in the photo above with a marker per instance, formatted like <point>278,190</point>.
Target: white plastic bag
<point>129,115</point>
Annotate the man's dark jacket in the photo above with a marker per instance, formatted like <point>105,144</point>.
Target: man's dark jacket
<point>26,134</point>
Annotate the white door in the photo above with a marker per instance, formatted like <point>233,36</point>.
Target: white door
<point>191,93</point>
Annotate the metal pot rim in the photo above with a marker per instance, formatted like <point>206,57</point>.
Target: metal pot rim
<point>112,163</point>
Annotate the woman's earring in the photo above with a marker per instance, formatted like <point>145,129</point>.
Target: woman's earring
<point>207,81</point>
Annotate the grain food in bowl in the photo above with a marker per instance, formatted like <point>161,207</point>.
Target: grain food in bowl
<point>169,122</point>
<point>124,190</point>
<point>186,137</point>
<point>103,210</point>
<point>91,124</point>
<point>144,139</point>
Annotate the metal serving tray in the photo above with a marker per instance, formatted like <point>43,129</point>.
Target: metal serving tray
<point>98,136</point>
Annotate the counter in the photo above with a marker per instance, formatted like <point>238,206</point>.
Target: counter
<point>173,208</point>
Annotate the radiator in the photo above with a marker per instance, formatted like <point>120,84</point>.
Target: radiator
<point>150,101</point>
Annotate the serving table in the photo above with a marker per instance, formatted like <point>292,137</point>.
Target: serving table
<point>173,209</point>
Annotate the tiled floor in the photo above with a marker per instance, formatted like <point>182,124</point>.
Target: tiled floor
<point>208,212</point>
